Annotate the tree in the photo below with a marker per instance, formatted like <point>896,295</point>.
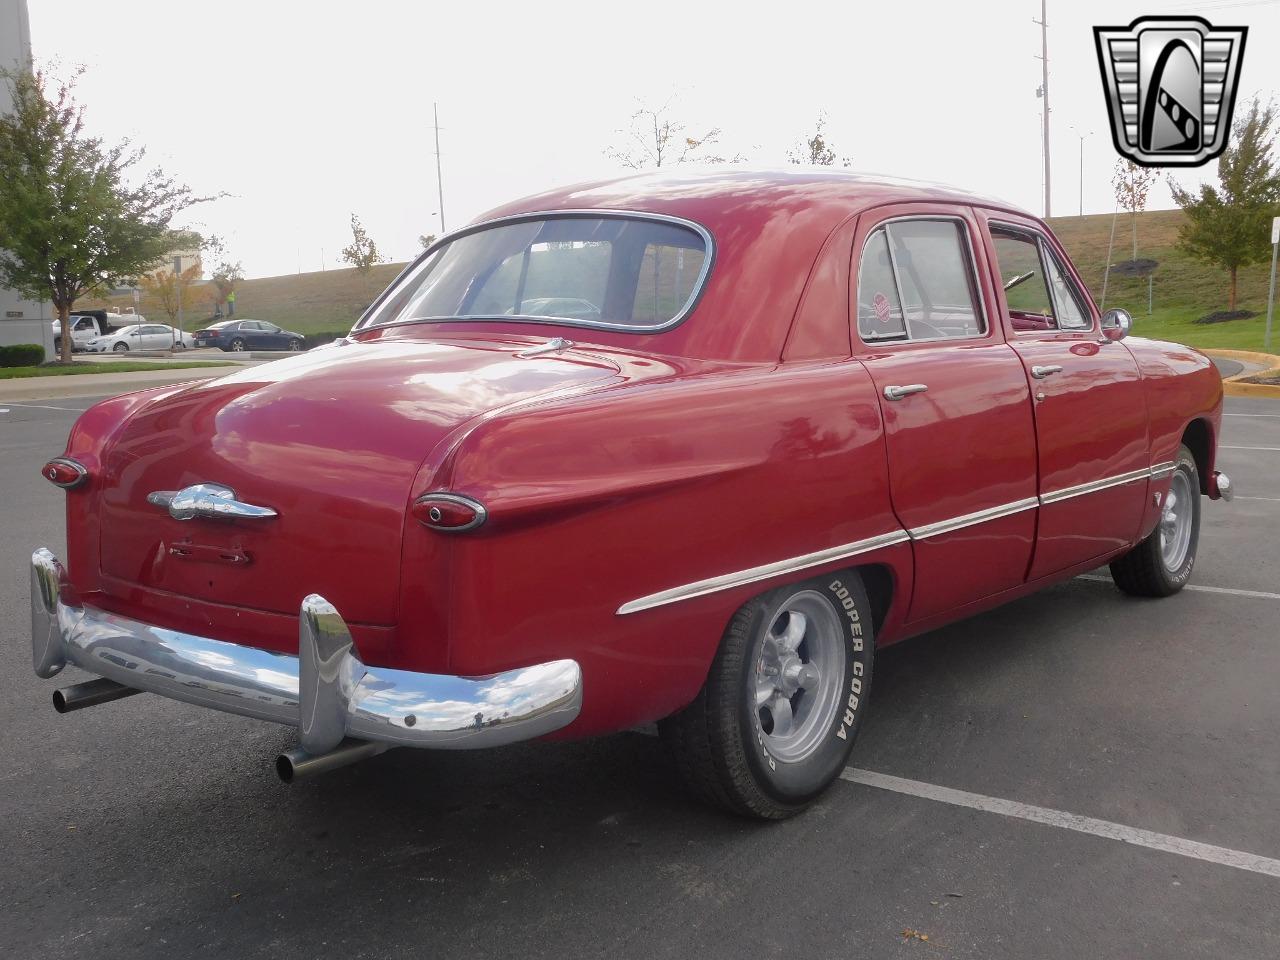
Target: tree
<point>74,214</point>
<point>1132,183</point>
<point>362,253</point>
<point>427,239</point>
<point>815,151</point>
<point>654,139</point>
<point>175,291</point>
<point>1228,225</point>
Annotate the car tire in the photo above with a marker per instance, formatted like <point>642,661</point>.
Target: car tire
<point>1161,564</point>
<point>57,345</point>
<point>120,348</point>
<point>295,345</point>
<point>237,345</point>
<point>729,746</point>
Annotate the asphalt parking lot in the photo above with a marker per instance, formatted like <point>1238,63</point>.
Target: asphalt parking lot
<point>149,828</point>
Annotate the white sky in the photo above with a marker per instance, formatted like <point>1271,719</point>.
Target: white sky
<point>306,112</point>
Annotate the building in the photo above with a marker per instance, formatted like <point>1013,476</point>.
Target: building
<point>21,321</point>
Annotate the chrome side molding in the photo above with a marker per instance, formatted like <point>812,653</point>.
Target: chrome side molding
<point>210,501</point>
<point>751,575</point>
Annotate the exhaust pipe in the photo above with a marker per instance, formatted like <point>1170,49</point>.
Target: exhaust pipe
<point>296,763</point>
<point>90,694</point>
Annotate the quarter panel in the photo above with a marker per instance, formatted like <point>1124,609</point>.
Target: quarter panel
<point>645,489</point>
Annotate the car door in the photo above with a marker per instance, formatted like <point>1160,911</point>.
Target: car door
<point>272,337</point>
<point>156,336</point>
<point>86,328</point>
<point>956,405</point>
<point>255,335</point>
<point>1090,410</point>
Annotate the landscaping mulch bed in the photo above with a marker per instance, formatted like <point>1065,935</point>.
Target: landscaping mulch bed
<point>1224,316</point>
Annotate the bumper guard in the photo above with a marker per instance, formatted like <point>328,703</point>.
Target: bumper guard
<point>325,691</point>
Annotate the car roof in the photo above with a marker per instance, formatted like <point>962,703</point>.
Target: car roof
<point>689,189</point>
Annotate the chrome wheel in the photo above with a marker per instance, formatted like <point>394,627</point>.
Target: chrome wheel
<point>798,677</point>
<point>1176,521</point>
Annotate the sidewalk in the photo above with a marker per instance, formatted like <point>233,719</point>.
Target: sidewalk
<point>103,384</point>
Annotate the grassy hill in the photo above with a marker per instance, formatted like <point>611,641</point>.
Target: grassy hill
<point>1184,289</point>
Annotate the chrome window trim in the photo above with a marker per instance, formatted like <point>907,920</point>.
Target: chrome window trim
<point>975,291</point>
<point>1094,486</point>
<point>728,581</point>
<point>970,519</point>
<point>603,214</point>
<point>739,578</point>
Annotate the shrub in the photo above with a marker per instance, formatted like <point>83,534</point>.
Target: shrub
<point>21,355</point>
<point>1133,268</point>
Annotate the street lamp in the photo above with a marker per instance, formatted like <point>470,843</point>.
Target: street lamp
<point>1083,137</point>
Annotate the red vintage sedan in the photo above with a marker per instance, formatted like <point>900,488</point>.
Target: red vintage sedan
<point>684,448</point>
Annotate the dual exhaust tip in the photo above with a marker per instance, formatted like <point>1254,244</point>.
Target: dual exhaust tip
<point>291,765</point>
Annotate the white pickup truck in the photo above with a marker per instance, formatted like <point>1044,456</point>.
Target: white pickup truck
<point>91,325</point>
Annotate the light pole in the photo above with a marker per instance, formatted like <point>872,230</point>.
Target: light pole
<point>1083,137</point>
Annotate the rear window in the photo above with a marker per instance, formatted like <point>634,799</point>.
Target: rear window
<point>622,272</point>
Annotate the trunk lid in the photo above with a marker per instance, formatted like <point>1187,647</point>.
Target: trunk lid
<point>332,441</point>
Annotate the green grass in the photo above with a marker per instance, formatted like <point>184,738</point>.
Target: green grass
<point>81,369</point>
<point>1183,287</point>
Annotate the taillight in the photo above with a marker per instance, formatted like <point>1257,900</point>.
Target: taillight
<point>65,472</point>
<point>449,512</point>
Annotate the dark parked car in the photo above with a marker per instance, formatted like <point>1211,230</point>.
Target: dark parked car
<point>240,335</point>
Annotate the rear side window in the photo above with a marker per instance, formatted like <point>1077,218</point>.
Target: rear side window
<point>915,282</point>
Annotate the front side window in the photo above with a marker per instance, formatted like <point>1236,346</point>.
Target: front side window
<point>624,272</point>
<point>1037,290</point>
<point>915,282</point>
<point>1071,314</point>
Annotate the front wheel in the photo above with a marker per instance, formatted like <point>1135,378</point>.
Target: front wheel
<point>120,348</point>
<point>295,345</point>
<point>1161,565</point>
<point>775,721</point>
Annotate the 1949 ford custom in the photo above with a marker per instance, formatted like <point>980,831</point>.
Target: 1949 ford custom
<point>680,448</point>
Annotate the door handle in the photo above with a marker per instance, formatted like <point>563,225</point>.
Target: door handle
<point>1047,371</point>
<point>897,393</point>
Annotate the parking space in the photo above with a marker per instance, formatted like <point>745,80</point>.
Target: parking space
<point>148,826</point>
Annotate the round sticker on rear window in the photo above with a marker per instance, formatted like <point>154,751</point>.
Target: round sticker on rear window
<point>881,304</point>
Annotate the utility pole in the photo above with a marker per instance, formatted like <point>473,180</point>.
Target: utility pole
<point>1044,92</point>
<point>177,289</point>
<point>435,112</point>
<point>1083,137</point>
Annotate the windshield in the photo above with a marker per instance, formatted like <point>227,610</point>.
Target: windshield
<point>625,272</point>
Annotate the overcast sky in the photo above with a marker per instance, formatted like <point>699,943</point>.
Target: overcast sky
<point>306,112</point>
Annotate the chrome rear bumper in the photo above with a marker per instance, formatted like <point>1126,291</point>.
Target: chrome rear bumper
<point>325,691</point>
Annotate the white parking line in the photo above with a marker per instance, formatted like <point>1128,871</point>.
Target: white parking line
<point>1270,416</point>
<point>1273,449</point>
<point>1268,499</point>
<point>1068,821</point>
<point>41,406</point>
<point>1200,588</point>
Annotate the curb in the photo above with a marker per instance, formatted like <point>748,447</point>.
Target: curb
<point>1235,387</point>
<point>29,389</point>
